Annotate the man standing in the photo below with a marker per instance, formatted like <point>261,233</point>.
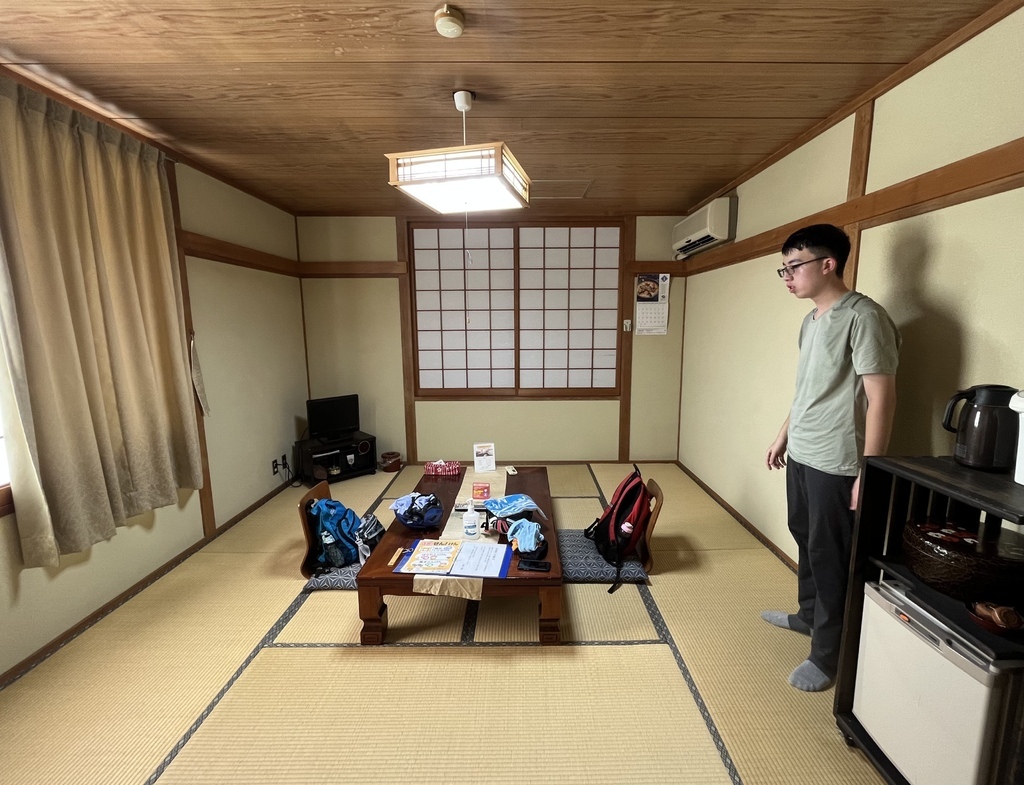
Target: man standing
<point>842,410</point>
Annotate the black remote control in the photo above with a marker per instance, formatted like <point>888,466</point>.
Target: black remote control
<point>534,566</point>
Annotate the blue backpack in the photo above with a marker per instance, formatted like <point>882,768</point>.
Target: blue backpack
<point>336,529</point>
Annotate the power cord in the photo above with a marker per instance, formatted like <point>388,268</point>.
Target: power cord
<point>292,480</point>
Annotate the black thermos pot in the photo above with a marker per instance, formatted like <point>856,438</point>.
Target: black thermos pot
<point>986,432</point>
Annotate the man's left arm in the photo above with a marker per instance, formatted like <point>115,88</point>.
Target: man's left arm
<point>880,391</point>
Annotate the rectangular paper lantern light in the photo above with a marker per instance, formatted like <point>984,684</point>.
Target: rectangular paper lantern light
<point>471,178</point>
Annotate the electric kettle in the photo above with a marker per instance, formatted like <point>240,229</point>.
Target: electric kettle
<point>986,432</point>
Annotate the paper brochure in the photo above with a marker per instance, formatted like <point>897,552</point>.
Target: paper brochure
<point>455,557</point>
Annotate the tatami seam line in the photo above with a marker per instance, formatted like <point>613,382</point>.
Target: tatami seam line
<point>267,639</point>
<point>662,629</point>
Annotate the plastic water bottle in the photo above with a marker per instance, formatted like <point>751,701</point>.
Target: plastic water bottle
<point>471,523</point>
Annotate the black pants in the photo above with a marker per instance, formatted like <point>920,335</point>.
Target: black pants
<point>821,522</point>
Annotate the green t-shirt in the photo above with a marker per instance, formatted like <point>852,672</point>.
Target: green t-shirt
<point>853,338</point>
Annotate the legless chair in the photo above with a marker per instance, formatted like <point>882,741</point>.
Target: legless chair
<point>644,547</point>
<point>320,491</point>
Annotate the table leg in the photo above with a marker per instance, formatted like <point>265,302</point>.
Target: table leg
<point>550,615</point>
<point>374,614</point>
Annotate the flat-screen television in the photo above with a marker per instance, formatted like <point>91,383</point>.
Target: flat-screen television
<point>330,418</point>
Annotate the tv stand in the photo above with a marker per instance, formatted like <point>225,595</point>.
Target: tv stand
<point>331,459</point>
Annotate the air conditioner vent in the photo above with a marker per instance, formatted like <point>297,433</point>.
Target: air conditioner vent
<point>711,225</point>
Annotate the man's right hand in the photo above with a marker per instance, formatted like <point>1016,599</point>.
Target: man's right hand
<point>775,458</point>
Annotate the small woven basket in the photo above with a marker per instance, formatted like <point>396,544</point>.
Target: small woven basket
<point>952,560</point>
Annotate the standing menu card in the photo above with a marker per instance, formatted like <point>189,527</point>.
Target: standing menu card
<point>483,457</point>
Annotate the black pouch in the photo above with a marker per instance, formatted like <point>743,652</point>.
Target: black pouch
<point>538,554</point>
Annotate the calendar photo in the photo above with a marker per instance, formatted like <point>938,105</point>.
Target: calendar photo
<point>651,309</point>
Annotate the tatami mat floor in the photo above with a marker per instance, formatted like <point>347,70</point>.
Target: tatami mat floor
<point>226,671</point>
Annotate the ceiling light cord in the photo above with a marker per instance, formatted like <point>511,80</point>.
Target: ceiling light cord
<point>469,256</point>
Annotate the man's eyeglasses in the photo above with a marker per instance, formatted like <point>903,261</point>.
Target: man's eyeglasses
<point>788,270</point>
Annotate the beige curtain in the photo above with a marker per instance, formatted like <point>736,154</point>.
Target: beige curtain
<point>95,387</point>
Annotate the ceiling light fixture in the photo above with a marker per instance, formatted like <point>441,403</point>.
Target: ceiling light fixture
<point>449,21</point>
<point>466,179</point>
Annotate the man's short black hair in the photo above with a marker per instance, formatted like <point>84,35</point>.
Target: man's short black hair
<point>821,240</point>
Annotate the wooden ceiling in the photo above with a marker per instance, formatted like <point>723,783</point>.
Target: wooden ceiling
<point>645,107</point>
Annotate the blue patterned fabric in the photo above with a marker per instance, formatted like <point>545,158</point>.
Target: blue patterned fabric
<point>338,578</point>
<point>581,563</point>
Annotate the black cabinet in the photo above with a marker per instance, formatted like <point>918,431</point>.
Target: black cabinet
<point>896,492</point>
<point>336,459</point>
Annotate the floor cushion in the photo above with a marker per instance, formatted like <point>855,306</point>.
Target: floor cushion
<point>337,578</point>
<point>581,563</point>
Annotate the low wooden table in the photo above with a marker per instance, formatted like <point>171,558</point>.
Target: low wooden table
<point>378,578</point>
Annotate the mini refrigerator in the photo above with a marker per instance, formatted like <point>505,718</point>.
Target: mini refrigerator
<point>938,707</point>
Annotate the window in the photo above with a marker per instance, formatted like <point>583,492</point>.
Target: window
<point>517,310</point>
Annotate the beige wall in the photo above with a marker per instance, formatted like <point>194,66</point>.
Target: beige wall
<point>654,398</point>
<point>353,329</point>
<point>353,325</point>
<point>969,101</point>
<point>654,237</point>
<point>520,430</point>
<point>739,363</point>
<point>950,279</point>
<point>215,209</point>
<point>654,401</point>
<point>248,326</point>
<point>344,356</point>
<point>811,178</point>
<point>39,605</point>
<point>347,239</point>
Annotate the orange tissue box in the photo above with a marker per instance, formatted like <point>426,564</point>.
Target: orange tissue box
<point>481,490</point>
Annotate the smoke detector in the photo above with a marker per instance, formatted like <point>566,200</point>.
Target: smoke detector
<point>449,21</point>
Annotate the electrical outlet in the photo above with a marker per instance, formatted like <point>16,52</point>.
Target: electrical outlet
<point>274,466</point>
<point>284,461</point>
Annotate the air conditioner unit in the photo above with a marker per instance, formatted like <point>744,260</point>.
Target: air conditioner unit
<point>713,224</point>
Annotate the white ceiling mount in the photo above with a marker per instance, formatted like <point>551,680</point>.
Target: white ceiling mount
<point>464,100</point>
<point>449,21</point>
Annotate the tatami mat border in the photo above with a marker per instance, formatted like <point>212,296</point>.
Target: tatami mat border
<point>462,644</point>
<point>469,621</point>
<point>600,493</point>
<point>662,629</point>
<point>272,633</point>
<point>469,626</point>
<point>466,640</point>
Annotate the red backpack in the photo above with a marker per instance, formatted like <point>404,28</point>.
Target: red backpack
<point>631,503</point>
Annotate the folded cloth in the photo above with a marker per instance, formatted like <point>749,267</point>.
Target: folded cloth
<point>526,534</point>
<point>507,506</point>
<point>449,586</point>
